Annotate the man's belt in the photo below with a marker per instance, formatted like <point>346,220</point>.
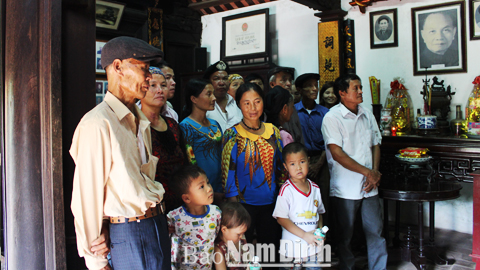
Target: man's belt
<point>151,212</point>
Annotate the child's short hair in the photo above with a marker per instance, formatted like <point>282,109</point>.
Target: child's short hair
<point>293,148</point>
<point>234,215</point>
<point>182,178</point>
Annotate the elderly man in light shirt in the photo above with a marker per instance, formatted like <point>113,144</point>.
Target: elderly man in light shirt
<point>352,140</point>
<point>113,185</point>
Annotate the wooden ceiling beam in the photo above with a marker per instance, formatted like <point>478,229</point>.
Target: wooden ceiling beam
<point>363,4</point>
<point>208,3</point>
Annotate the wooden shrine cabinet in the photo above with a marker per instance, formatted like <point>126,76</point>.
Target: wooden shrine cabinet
<point>455,159</point>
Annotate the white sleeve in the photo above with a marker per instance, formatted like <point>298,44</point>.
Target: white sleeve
<point>331,131</point>
<point>376,135</point>
<point>282,207</point>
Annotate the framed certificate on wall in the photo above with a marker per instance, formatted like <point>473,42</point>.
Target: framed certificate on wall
<point>245,35</point>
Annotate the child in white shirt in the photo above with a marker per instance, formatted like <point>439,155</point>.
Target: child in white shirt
<point>298,210</point>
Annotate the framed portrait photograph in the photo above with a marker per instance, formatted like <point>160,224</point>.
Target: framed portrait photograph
<point>474,19</point>
<point>245,35</point>
<point>383,29</point>
<point>439,39</point>
<point>99,87</point>
<point>108,14</point>
<point>98,56</point>
<point>105,87</point>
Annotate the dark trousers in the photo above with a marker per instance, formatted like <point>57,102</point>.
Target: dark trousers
<point>345,211</point>
<point>140,245</point>
<point>267,228</point>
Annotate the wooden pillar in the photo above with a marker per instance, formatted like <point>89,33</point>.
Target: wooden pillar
<point>33,186</point>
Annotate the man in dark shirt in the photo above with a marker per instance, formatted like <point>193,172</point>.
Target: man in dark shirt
<point>438,34</point>
<point>383,32</point>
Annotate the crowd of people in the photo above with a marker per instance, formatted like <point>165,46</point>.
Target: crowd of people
<point>156,191</point>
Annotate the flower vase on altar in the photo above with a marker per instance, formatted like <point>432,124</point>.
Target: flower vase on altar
<point>472,110</point>
<point>400,104</point>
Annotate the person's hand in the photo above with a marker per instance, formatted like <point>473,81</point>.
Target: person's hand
<point>171,229</point>
<point>312,239</point>
<point>372,180</point>
<point>101,245</point>
<point>314,169</point>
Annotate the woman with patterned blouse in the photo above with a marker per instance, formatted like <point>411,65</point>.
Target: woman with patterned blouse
<point>252,169</point>
<point>203,136</point>
<point>167,141</point>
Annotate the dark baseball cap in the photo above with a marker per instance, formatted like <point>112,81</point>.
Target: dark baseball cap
<point>218,66</point>
<point>130,47</point>
<point>276,70</point>
<point>305,77</point>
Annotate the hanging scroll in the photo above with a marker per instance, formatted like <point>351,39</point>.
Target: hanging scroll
<point>328,51</point>
<point>155,29</point>
<point>349,49</point>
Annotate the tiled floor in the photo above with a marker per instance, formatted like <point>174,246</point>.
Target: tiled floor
<point>453,245</point>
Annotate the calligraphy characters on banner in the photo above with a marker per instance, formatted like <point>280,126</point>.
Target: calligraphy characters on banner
<point>349,49</point>
<point>155,29</point>
<point>328,51</point>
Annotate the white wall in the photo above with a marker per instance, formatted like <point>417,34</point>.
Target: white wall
<point>293,28</point>
<point>294,31</point>
<point>388,63</point>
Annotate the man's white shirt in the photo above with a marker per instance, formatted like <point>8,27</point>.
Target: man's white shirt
<point>356,134</point>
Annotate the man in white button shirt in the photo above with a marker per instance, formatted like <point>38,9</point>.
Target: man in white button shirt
<point>226,111</point>
<point>352,140</point>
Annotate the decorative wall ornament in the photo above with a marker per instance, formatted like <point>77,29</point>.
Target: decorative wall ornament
<point>363,4</point>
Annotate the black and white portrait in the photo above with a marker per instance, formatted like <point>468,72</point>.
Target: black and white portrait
<point>383,29</point>
<point>474,19</point>
<point>438,41</point>
<point>477,15</point>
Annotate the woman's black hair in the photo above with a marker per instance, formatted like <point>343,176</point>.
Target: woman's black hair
<point>245,88</point>
<point>325,87</point>
<point>275,100</point>
<point>194,88</point>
